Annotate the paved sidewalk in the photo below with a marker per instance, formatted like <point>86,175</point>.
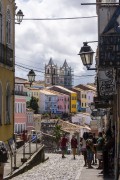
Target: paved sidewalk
<point>92,174</point>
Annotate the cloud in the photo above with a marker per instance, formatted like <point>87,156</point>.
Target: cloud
<point>37,41</point>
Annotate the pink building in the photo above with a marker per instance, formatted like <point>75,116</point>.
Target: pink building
<point>63,102</point>
<point>20,106</point>
<point>30,125</point>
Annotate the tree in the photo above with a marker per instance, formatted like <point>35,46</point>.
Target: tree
<point>34,104</point>
<point>57,133</point>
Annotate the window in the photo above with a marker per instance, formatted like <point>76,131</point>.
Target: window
<point>73,106</point>
<point>48,71</point>
<point>0,104</point>
<point>8,27</point>
<point>15,108</point>
<point>0,22</point>
<point>48,81</point>
<point>7,120</point>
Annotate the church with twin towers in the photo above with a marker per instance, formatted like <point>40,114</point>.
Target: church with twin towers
<point>60,76</point>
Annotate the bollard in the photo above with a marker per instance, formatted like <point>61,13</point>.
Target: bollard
<point>15,167</point>
<point>11,162</point>
<point>36,142</point>
<point>24,159</point>
<point>30,145</point>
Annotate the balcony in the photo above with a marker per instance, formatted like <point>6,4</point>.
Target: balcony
<point>20,93</point>
<point>6,55</point>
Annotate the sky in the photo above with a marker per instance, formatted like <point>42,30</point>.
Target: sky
<point>38,41</point>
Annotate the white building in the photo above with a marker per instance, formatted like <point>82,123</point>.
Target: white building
<point>81,119</point>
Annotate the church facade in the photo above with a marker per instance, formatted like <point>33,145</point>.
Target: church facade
<point>55,75</point>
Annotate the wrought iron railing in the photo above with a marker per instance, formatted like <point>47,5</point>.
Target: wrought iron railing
<point>6,55</point>
<point>20,93</point>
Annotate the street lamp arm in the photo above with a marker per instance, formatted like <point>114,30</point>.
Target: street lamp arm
<point>90,42</point>
<point>92,69</point>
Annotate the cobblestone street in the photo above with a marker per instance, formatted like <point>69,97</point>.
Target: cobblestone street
<point>55,168</point>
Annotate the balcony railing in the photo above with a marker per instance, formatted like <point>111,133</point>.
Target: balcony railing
<point>20,93</point>
<point>6,55</point>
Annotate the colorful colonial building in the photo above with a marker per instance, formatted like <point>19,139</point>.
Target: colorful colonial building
<point>71,94</point>
<point>7,28</point>
<point>20,106</point>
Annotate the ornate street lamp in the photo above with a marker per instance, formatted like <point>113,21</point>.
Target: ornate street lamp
<point>86,54</point>
<point>19,16</point>
<point>31,76</point>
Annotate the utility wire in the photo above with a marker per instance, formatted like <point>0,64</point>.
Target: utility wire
<point>55,19</point>
<point>53,74</point>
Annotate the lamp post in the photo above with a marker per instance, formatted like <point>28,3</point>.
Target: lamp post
<point>86,54</point>
<point>31,76</point>
<point>19,16</point>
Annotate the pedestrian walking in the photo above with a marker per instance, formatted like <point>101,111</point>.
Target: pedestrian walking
<point>3,158</point>
<point>24,136</point>
<point>83,148</point>
<point>74,144</point>
<point>95,151</point>
<point>90,150</point>
<point>63,144</point>
<point>99,147</point>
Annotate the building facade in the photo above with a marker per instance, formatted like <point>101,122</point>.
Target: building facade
<point>85,95</point>
<point>72,95</point>
<point>58,76</point>
<point>48,102</point>
<point>20,108</point>
<point>30,125</point>
<point>63,102</point>
<point>7,28</point>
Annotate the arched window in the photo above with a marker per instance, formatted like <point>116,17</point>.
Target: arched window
<point>7,119</point>
<point>0,104</point>
<point>48,71</point>
<point>8,27</point>
<point>0,22</point>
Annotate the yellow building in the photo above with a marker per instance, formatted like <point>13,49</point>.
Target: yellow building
<point>7,27</point>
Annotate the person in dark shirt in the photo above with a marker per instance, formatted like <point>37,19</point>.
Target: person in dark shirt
<point>74,145</point>
<point>63,144</point>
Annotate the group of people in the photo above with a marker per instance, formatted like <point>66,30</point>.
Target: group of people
<point>99,148</point>
<point>91,148</point>
<point>94,149</point>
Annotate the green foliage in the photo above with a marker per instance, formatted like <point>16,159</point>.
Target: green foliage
<point>57,133</point>
<point>28,104</point>
<point>34,104</point>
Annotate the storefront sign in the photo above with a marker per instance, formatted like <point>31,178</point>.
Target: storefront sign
<point>109,50</point>
<point>107,83</point>
<point>109,37</point>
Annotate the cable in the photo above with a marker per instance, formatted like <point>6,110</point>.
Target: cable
<point>54,19</point>
<point>21,64</point>
<point>28,68</point>
<point>82,76</point>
